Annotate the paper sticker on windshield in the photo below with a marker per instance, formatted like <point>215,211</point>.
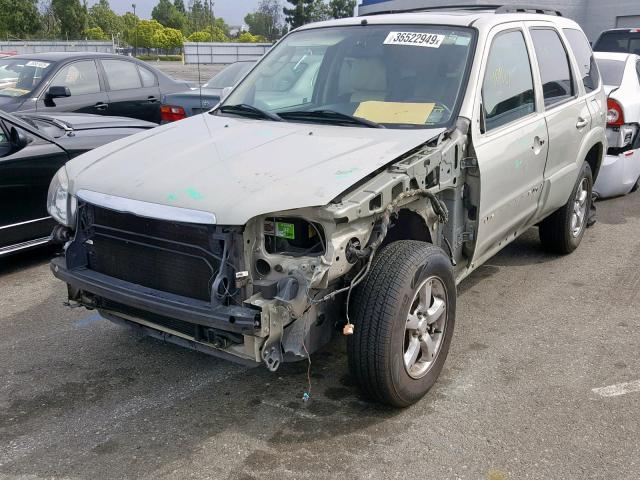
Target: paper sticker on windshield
<point>431,40</point>
<point>35,63</point>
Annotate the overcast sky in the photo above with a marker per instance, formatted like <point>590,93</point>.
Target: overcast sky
<point>233,11</point>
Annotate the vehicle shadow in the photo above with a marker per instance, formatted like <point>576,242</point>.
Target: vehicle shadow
<point>27,259</point>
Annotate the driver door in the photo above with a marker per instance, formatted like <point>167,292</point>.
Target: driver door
<point>87,90</point>
<point>510,138</point>
<point>25,175</point>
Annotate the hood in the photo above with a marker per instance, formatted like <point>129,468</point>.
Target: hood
<point>87,121</point>
<point>240,168</point>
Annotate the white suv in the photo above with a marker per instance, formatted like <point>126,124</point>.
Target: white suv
<point>354,177</point>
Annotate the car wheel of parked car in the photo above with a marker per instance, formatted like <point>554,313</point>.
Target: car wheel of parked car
<point>563,230</point>
<point>404,314</point>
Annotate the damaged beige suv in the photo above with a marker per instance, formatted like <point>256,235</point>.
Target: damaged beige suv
<point>357,174</point>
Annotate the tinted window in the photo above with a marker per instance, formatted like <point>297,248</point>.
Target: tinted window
<point>121,75</point>
<point>623,41</point>
<point>584,57</point>
<point>148,78</point>
<point>80,77</point>
<point>557,82</point>
<point>507,90</point>
<point>612,71</point>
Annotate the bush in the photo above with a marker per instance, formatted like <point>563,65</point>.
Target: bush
<point>162,58</point>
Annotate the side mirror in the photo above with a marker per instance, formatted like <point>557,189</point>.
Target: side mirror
<point>56,91</point>
<point>18,139</point>
<point>225,93</point>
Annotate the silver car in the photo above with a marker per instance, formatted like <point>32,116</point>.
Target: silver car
<point>348,184</point>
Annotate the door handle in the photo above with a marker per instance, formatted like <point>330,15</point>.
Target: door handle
<point>101,106</point>
<point>581,123</point>
<point>152,99</point>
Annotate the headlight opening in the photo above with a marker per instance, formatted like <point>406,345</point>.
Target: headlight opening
<point>293,236</point>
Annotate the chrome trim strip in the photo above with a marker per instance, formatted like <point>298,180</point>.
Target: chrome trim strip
<point>23,246</point>
<point>147,209</point>
<point>25,223</point>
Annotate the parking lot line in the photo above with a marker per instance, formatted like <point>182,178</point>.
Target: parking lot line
<point>618,389</point>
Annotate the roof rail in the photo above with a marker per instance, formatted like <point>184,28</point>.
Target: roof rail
<point>527,9</point>
<point>496,8</point>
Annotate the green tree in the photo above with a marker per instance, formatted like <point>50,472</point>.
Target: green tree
<point>19,18</point>
<point>208,35</point>
<point>199,37</point>
<point>246,37</point>
<point>101,16</point>
<point>142,35</point>
<point>95,33</point>
<point>179,4</point>
<point>72,17</point>
<point>168,15</point>
<point>319,11</point>
<point>299,13</point>
<point>342,8</point>
<point>168,39</point>
<point>266,21</point>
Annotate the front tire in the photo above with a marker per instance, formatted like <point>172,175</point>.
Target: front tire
<point>562,231</point>
<point>404,316</point>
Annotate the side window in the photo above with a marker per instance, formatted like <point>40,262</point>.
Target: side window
<point>81,78</point>
<point>507,89</point>
<point>584,57</point>
<point>148,78</point>
<point>121,75</point>
<point>557,81</point>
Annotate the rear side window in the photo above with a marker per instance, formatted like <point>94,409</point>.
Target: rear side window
<point>148,78</point>
<point>80,77</point>
<point>612,71</point>
<point>553,62</point>
<point>507,88</point>
<point>584,57</point>
<point>121,75</point>
<point>621,41</point>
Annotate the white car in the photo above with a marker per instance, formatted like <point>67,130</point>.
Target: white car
<point>620,172</point>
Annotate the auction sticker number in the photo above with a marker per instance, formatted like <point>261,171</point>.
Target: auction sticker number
<point>430,40</point>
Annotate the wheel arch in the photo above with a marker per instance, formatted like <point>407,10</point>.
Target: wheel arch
<point>408,225</point>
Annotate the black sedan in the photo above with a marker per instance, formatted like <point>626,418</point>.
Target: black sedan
<point>102,84</point>
<point>32,148</point>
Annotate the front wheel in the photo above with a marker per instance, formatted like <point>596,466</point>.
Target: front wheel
<point>404,314</point>
<point>562,231</point>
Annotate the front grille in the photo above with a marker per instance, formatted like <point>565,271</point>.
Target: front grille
<point>173,257</point>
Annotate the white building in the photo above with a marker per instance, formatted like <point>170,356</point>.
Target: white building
<point>593,15</point>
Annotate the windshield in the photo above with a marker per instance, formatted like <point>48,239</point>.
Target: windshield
<point>404,76</point>
<point>20,77</point>
<point>622,41</point>
<point>611,71</point>
<point>229,76</point>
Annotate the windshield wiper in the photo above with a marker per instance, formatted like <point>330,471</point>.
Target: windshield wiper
<point>328,115</point>
<point>248,110</point>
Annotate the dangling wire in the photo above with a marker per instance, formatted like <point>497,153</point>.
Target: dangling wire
<point>307,395</point>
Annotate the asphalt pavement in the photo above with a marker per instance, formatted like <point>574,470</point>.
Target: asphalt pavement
<point>535,335</point>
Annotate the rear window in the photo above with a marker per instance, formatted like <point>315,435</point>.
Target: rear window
<point>623,41</point>
<point>611,71</point>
